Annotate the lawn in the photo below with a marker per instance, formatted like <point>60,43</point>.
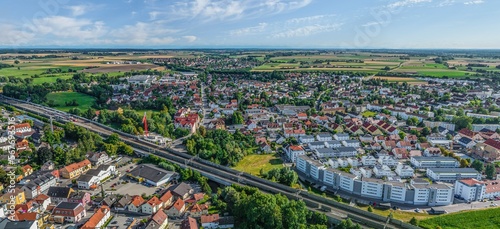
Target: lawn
<point>253,163</point>
<point>488,218</point>
<point>368,114</point>
<point>404,216</point>
<point>60,98</point>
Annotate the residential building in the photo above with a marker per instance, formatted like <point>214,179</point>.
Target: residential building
<point>294,151</point>
<point>68,212</point>
<point>452,174</point>
<point>434,162</point>
<point>98,219</point>
<point>177,208</point>
<point>76,169</point>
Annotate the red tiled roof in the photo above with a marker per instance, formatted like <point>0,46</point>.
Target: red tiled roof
<point>154,201</point>
<point>493,143</point>
<point>209,218</point>
<point>72,167</point>
<point>137,201</point>
<point>22,125</point>
<point>96,218</point>
<point>189,223</point>
<point>179,204</point>
<point>296,148</point>
<point>166,197</point>
<point>471,182</point>
<point>466,132</point>
<point>159,217</point>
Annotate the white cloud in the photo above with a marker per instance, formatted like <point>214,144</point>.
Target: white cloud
<point>475,2</point>
<point>12,35</point>
<point>153,14</point>
<point>143,34</point>
<point>233,9</point>
<point>67,27</point>
<point>307,30</point>
<point>250,30</point>
<point>78,10</point>
<point>295,27</point>
<point>190,38</point>
<point>406,3</point>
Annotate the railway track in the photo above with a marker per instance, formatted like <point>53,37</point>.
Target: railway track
<point>335,210</point>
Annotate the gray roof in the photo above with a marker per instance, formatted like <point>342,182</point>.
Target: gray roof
<point>19,224</point>
<point>453,170</point>
<point>317,143</point>
<point>181,189</point>
<point>68,205</point>
<point>151,172</point>
<point>346,149</point>
<point>334,142</point>
<point>434,158</point>
<point>85,177</point>
<point>59,192</point>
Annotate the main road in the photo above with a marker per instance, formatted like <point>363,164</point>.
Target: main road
<point>331,208</point>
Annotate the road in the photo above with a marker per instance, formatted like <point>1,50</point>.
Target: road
<point>204,167</point>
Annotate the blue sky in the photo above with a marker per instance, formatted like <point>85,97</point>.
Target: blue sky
<point>251,23</point>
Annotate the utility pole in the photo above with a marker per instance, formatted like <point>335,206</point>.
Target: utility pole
<point>51,125</point>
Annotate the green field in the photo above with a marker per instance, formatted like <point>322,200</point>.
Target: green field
<point>486,219</point>
<point>404,216</point>
<point>368,114</point>
<point>253,163</point>
<point>60,98</point>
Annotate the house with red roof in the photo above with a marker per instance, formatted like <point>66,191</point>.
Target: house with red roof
<point>158,221</point>
<point>177,208</point>
<point>152,205</point>
<point>189,223</point>
<point>98,219</point>
<point>488,150</point>
<point>294,151</point>
<point>136,203</point>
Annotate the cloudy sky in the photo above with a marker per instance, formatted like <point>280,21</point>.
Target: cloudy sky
<point>251,23</point>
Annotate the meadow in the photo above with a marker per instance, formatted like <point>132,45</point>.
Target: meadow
<point>254,163</point>
<point>479,219</point>
<point>60,98</point>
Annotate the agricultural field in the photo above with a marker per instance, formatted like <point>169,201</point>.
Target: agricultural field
<point>50,69</point>
<point>60,98</point>
<point>253,163</point>
<point>472,219</point>
<point>374,63</point>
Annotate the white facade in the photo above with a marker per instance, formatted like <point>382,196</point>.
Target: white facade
<point>341,137</point>
<point>404,171</point>
<point>347,182</point>
<point>295,151</point>
<point>368,160</point>
<point>382,171</point>
<point>388,161</point>
<point>451,175</point>
<point>372,188</point>
<point>434,162</point>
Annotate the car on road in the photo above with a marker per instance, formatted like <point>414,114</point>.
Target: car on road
<point>417,210</point>
<point>114,222</point>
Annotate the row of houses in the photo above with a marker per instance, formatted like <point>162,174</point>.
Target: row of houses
<point>417,192</point>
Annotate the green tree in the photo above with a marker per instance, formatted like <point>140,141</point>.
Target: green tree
<point>237,118</point>
<point>478,165</point>
<point>43,154</point>
<point>413,221</point>
<point>464,163</point>
<point>490,171</point>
